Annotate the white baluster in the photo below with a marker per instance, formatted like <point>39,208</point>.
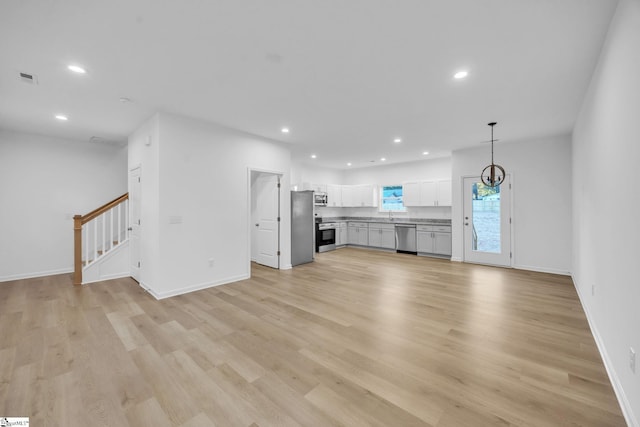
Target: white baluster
<point>104,232</point>
<point>111,228</point>
<point>85,242</point>
<point>95,238</point>
<point>119,222</point>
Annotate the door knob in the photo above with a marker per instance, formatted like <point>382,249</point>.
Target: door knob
<point>466,223</point>
<point>130,228</point>
<point>257,224</point>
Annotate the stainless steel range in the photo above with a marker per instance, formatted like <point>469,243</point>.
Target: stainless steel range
<point>325,236</point>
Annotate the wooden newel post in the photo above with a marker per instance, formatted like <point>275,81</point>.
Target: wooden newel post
<point>77,249</point>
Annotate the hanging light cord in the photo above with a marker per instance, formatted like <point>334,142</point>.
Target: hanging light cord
<point>492,125</point>
<point>489,176</point>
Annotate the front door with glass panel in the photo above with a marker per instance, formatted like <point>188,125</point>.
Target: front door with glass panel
<point>487,222</point>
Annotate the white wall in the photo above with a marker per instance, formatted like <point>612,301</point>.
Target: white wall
<point>541,199</point>
<point>432,169</point>
<point>144,152</point>
<point>301,173</point>
<point>44,181</point>
<point>380,175</point>
<point>203,177</point>
<point>397,173</point>
<point>606,229</point>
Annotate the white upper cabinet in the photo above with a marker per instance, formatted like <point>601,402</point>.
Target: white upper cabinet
<point>427,193</point>
<point>334,195</point>
<point>443,192</point>
<point>347,196</point>
<point>366,195</point>
<point>358,196</point>
<point>411,193</point>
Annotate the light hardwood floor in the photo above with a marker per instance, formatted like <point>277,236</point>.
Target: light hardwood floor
<point>357,338</point>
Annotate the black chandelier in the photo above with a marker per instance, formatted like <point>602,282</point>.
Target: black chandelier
<point>492,175</point>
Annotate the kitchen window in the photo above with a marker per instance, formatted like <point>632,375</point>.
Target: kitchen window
<point>391,199</point>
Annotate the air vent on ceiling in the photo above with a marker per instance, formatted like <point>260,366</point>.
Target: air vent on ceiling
<point>97,140</point>
<point>113,142</point>
<point>29,78</point>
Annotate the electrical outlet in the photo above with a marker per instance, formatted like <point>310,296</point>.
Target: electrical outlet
<point>211,262</point>
<point>632,359</point>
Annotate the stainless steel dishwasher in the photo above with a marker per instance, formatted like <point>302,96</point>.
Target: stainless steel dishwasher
<point>406,238</point>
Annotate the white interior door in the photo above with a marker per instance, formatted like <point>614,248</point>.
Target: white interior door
<point>267,230</point>
<point>134,222</point>
<point>487,222</point>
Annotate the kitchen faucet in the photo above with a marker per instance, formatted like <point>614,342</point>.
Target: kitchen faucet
<point>390,215</point>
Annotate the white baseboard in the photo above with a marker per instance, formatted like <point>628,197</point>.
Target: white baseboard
<point>286,267</point>
<point>527,267</point>
<point>36,274</point>
<point>193,288</point>
<point>625,405</point>
<point>145,287</point>
<point>541,269</point>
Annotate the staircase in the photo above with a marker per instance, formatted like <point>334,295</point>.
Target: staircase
<point>101,242</point>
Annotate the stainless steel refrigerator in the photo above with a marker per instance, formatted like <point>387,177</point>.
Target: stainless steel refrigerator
<point>302,227</point>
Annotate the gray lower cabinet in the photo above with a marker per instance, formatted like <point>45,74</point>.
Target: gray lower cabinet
<point>382,235</point>
<point>358,233</point>
<point>434,240</point>
<point>341,234</point>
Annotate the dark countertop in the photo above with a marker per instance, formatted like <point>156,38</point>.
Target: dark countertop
<point>399,220</point>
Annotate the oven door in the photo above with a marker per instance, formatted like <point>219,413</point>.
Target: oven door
<point>325,239</point>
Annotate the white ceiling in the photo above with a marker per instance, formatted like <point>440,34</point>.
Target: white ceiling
<point>347,76</point>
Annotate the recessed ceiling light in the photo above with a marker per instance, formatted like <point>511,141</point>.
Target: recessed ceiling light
<point>77,69</point>
<point>425,153</point>
<point>313,156</point>
<point>397,140</point>
<point>62,117</point>
<point>284,130</point>
<point>349,164</point>
<point>383,159</point>
<point>460,74</point>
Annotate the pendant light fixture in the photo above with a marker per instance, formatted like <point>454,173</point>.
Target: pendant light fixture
<point>492,175</point>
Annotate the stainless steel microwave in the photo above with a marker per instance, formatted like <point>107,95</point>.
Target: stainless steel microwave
<point>320,199</point>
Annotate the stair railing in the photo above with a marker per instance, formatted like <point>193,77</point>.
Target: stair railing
<point>98,232</point>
